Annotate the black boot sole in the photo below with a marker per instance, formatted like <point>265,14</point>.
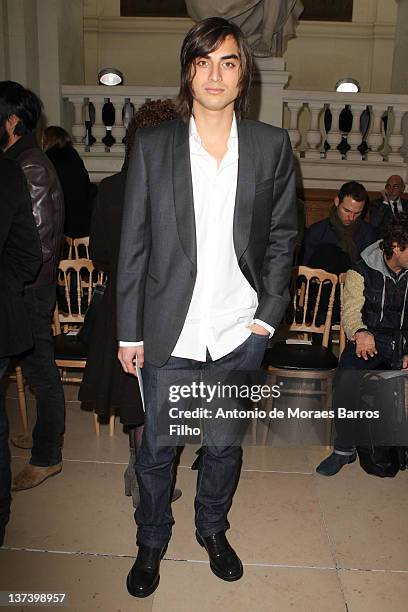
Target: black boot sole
<point>214,570</point>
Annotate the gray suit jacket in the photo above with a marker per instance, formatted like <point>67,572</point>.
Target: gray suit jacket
<point>157,261</point>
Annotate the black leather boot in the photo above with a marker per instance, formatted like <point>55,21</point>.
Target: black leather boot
<point>144,577</point>
<point>224,561</point>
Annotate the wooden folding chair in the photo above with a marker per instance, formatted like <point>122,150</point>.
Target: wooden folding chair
<point>81,247</point>
<point>305,316</point>
<point>69,352</point>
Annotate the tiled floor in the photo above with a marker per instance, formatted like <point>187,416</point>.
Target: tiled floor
<point>308,544</point>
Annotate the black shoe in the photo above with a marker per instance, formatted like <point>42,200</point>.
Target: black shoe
<point>224,561</point>
<point>144,577</point>
<point>334,462</point>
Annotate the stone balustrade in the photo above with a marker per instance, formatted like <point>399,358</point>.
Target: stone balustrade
<point>370,125</point>
<point>337,137</point>
<point>84,109</point>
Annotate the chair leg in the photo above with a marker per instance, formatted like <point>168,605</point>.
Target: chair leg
<point>254,429</point>
<point>112,425</point>
<point>97,425</point>
<point>22,404</point>
<point>329,406</point>
<point>266,431</point>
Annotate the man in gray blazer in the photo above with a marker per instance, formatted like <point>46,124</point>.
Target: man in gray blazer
<point>207,242</point>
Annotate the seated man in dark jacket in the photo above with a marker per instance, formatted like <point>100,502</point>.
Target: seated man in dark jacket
<point>375,319</point>
<point>390,204</point>
<point>333,244</point>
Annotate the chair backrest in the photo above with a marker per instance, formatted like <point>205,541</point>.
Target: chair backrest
<point>81,247</point>
<point>67,249</point>
<point>311,309</point>
<point>80,278</point>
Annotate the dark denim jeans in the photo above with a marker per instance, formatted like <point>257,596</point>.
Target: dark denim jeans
<point>5,474</point>
<point>39,368</point>
<point>219,466</point>
<point>347,384</point>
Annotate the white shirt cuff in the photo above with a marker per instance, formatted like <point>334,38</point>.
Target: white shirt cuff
<point>124,343</point>
<point>268,328</point>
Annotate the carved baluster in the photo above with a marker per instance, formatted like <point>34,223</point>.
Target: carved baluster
<point>314,136</point>
<point>396,138</point>
<point>98,128</point>
<point>118,130</point>
<point>334,136</point>
<point>355,137</point>
<point>293,131</point>
<point>375,138</point>
<point>78,127</point>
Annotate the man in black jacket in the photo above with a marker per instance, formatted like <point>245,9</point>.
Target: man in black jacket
<point>20,110</point>
<point>334,243</point>
<point>20,260</point>
<point>390,204</point>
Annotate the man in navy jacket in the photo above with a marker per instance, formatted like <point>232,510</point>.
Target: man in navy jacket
<point>333,244</point>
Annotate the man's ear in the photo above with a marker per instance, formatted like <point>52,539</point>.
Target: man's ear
<point>336,201</point>
<point>11,123</point>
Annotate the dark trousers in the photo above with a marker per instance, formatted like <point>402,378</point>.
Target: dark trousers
<point>219,466</point>
<point>5,474</point>
<point>347,385</point>
<point>39,368</point>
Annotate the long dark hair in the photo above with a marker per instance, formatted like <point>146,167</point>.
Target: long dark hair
<point>202,39</point>
<point>17,100</point>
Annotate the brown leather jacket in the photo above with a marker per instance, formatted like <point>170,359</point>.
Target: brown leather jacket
<point>47,201</point>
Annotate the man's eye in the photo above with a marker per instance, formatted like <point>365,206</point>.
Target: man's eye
<point>229,65</point>
<point>202,62</point>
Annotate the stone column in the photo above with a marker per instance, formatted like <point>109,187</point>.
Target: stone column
<point>399,79</point>
<point>41,48</point>
<point>267,90</point>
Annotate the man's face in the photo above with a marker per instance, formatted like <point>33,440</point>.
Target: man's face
<point>215,82</point>
<point>348,210</point>
<point>400,257</point>
<point>4,138</point>
<point>394,187</point>
<point>7,136</point>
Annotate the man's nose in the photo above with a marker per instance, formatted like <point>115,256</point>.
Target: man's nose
<point>215,74</point>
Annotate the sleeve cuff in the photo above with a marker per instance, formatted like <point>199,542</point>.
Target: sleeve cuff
<point>268,328</point>
<point>124,343</point>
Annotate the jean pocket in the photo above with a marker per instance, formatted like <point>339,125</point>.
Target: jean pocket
<point>260,336</point>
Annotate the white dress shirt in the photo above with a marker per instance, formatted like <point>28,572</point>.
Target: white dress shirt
<point>390,203</point>
<point>223,302</point>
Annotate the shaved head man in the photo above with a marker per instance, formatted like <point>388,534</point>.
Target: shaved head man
<point>390,204</point>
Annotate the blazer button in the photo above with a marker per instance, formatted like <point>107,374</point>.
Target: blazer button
<point>192,273</point>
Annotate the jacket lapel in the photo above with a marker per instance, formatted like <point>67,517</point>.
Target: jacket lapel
<point>183,191</point>
<point>244,200</point>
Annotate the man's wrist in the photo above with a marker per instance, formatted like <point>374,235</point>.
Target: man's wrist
<point>363,329</point>
<point>124,343</point>
<point>268,328</point>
